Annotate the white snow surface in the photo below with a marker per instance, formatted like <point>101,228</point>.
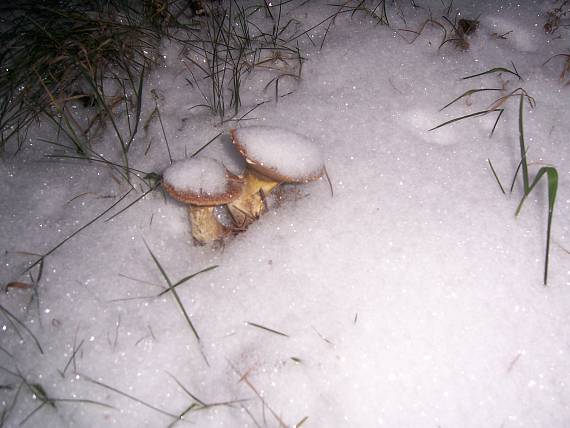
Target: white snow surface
<point>413,297</point>
<point>287,152</point>
<point>198,175</point>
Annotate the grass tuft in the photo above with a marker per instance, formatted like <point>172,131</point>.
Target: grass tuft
<point>549,172</point>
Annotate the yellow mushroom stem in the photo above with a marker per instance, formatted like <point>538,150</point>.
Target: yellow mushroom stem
<point>205,226</point>
<point>251,203</point>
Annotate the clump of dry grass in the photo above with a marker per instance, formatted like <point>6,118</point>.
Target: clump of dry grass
<point>58,56</point>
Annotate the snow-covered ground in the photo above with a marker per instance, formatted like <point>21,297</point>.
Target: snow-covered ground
<point>413,297</point>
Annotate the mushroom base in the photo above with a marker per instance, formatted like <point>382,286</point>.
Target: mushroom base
<point>251,203</point>
<point>205,226</point>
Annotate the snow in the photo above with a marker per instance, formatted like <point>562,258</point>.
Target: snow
<point>413,297</point>
<point>199,175</point>
<point>289,153</point>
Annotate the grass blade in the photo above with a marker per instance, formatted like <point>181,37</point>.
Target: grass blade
<point>205,145</point>
<point>522,147</point>
<point>186,278</point>
<point>77,231</point>
<point>552,175</point>
<point>124,394</point>
<point>15,319</point>
<point>501,110</point>
<point>494,70</point>
<point>134,202</point>
<point>266,328</point>
<point>468,93</point>
<point>139,95</point>
<point>467,116</point>
<point>170,287</point>
<point>496,177</point>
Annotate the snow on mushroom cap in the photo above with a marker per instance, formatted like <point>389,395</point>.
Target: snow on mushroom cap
<point>197,176</point>
<point>284,152</point>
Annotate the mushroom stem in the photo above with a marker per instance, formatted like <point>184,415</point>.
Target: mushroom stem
<point>205,227</point>
<point>251,202</point>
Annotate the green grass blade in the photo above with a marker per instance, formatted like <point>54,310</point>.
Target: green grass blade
<point>205,145</point>
<point>176,297</point>
<point>82,401</point>
<point>15,319</point>
<point>186,278</point>
<point>501,110</point>
<point>496,176</point>
<point>133,202</point>
<point>522,147</point>
<point>182,414</point>
<point>467,116</point>
<point>515,175</point>
<point>552,175</point>
<point>494,70</point>
<point>124,394</point>
<point>32,413</point>
<point>77,231</point>
<point>468,93</point>
<point>157,263</point>
<point>262,327</point>
<point>200,402</point>
<point>139,95</point>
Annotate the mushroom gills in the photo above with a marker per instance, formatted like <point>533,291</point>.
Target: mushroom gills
<point>251,203</point>
<point>205,226</point>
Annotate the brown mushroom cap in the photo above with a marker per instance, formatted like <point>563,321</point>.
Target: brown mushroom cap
<point>265,168</point>
<point>199,197</point>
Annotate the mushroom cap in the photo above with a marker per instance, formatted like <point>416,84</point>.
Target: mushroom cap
<point>201,181</point>
<point>279,154</point>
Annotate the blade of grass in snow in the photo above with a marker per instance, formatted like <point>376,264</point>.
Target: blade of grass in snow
<point>522,148</point>
<point>468,93</point>
<point>205,145</point>
<point>501,111</point>
<point>40,260</point>
<point>200,404</point>
<point>167,279</point>
<point>133,202</point>
<point>467,116</point>
<point>180,417</point>
<point>552,176</point>
<point>516,174</point>
<point>124,394</point>
<point>192,396</point>
<point>244,378</point>
<point>6,352</point>
<point>163,130</point>
<point>90,159</point>
<point>39,392</point>
<point>72,358</point>
<point>138,110</point>
<point>186,278</point>
<point>10,407</point>
<point>495,70</point>
<point>266,328</point>
<point>16,320</point>
<point>496,177</point>
<point>32,413</point>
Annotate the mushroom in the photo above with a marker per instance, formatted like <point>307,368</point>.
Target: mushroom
<point>273,156</point>
<point>202,184</point>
